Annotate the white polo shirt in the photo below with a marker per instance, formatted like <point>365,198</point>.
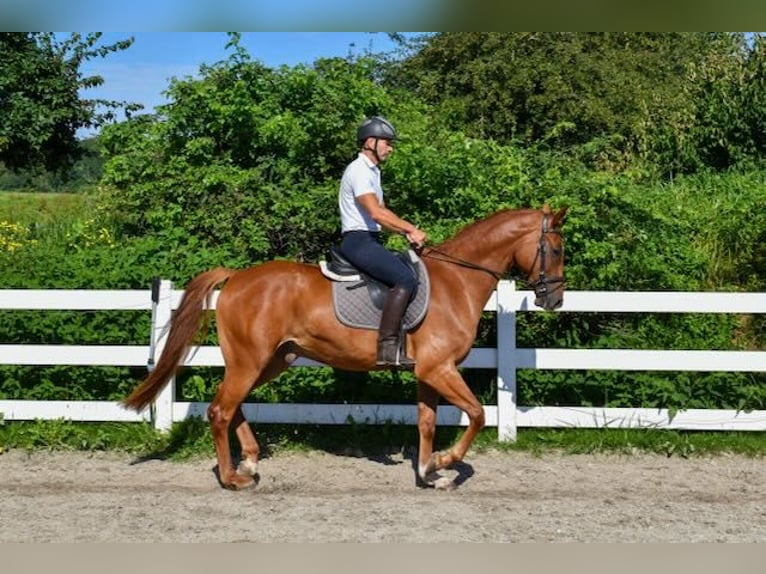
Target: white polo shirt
<point>360,177</point>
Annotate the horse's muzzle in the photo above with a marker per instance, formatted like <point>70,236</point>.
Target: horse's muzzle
<point>547,298</point>
<point>550,303</point>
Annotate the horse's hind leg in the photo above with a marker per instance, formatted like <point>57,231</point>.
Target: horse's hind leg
<point>226,409</point>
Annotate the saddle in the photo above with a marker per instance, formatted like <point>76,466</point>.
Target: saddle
<point>359,298</point>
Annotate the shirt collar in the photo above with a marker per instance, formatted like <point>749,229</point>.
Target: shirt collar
<point>367,161</point>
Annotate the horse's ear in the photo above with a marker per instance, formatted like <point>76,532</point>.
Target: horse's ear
<point>558,219</point>
<point>547,209</point>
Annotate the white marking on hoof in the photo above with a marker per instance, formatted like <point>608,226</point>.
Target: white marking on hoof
<point>247,467</point>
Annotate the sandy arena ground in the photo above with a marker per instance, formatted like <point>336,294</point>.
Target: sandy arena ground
<point>320,497</point>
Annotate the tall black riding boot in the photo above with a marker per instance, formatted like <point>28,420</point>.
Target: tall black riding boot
<point>389,333</point>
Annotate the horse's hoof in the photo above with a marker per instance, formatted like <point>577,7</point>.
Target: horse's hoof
<point>436,481</point>
<point>239,482</point>
<point>421,482</point>
<point>444,483</point>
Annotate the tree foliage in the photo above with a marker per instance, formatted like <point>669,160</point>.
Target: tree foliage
<point>677,102</point>
<point>85,172</point>
<point>246,156</point>
<point>40,105</point>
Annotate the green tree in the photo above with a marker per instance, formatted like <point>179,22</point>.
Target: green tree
<point>246,156</point>
<point>85,172</point>
<point>243,165</point>
<point>610,97</point>
<point>40,106</point>
<point>721,122</point>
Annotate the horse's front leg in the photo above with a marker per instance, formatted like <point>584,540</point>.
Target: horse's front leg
<point>428,400</point>
<point>447,382</point>
<point>248,465</point>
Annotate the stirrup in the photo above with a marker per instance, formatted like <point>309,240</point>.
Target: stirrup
<point>403,363</point>
<point>391,354</point>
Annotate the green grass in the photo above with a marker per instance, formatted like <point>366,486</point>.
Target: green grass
<point>191,438</point>
<point>30,216</point>
<point>633,441</point>
<point>67,435</point>
<point>42,208</point>
<point>58,218</point>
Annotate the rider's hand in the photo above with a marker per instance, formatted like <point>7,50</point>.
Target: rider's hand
<point>417,237</point>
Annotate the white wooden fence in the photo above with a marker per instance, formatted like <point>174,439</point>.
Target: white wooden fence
<point>506,415</point>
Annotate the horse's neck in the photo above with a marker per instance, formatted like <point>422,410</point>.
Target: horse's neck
<point>490,244</point>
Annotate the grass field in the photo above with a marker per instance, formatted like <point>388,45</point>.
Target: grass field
<point>42,208</point>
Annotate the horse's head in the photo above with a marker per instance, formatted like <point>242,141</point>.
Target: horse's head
<point>542,259</point>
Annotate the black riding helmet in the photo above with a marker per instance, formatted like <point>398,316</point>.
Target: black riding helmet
<point>375,127</point>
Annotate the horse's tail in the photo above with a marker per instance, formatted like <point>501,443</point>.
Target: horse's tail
<point>187,322</point>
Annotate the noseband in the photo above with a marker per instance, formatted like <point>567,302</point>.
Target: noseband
<point>541,285</point>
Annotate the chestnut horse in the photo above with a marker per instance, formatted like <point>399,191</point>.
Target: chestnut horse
<point>270,314</point>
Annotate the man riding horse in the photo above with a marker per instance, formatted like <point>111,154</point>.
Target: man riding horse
<point>269,314</point>
<point>363,213</point>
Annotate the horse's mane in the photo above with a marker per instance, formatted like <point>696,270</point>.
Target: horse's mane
<point>476,231</point>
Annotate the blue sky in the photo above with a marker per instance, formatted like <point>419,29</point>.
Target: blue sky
<point>262,15</point>
<point>142,72</point>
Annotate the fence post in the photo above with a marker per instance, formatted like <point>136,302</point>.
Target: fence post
<point>162,409</point>
<point>506,368</point>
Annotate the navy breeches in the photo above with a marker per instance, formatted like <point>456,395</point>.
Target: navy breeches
<point>365,251</point>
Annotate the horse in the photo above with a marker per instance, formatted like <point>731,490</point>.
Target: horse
<point>269,314</point>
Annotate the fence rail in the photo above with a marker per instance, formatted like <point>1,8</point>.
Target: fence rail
<point>506,415</point>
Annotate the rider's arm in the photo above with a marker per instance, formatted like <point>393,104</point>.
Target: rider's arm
<point>389,220</point>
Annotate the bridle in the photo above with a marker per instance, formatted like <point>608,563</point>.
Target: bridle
<point>540,286</point>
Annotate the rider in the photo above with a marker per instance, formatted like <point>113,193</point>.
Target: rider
<point>363,213</point>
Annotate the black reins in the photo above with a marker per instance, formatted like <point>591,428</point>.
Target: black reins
<point>447,258</point>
